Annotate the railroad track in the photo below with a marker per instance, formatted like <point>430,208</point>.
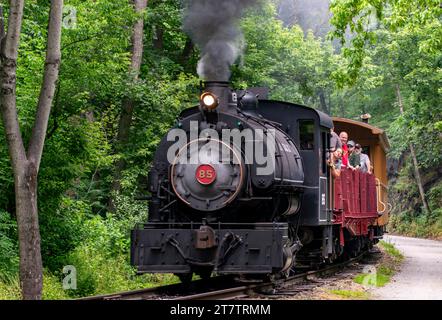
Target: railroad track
<point>222,287</point>
<point>172,291</point>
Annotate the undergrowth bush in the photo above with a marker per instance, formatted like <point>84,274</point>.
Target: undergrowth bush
<point>97,246</point>
<point>52,288</point>
<point>409,222</point>
<point>99,273</point>
<point>8,246</point>
<point>424,226</point>
<point>102,258</point>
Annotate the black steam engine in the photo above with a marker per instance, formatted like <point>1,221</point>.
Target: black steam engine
<point>247,204</point>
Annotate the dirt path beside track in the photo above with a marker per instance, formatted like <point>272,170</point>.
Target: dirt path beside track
<point>420,276</point>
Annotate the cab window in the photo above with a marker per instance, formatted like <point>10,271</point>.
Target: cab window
<point>306,134</point>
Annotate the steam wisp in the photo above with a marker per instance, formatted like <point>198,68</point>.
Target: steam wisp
<point>213,27</point>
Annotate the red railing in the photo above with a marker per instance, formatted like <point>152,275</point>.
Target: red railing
<point>355,193</point>
<point>355,200</point>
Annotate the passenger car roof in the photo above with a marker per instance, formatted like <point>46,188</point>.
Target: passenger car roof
<point>383,140</point>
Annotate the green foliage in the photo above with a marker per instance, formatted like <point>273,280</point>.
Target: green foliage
<point>385,270</point>
<point>407,218</point>
<point>294,67</point>
<point>351,294</point>
<point>359,17</point>
<point>159,100</point>
<point>435,198</point>
<point>10,289</point>
<point>393,252</point>
<point>78,161</point>
<point>52,288</point>
<point>8,246</point>
<point>102,258</point>
<point>383,276</point>
<point>100,273</point>
<point>424,226</point>
<point>362,18</point>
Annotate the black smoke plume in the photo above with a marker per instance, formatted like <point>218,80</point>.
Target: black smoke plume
<point>213,27</point>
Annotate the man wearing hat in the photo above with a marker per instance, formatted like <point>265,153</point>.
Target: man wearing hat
<point>354,158</point>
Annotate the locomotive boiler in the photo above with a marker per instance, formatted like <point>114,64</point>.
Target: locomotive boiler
<point>241,186</point>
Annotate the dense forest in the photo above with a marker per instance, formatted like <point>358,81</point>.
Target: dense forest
<point>128,68</point>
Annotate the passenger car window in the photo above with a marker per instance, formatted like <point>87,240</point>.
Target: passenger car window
<point>306,134</point>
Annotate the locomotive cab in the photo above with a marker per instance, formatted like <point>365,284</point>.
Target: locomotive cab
<point>310,128</point>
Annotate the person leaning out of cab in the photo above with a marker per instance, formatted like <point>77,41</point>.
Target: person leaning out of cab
<point>335,162</point>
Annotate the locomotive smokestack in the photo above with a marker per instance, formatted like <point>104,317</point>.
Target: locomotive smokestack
<point>221,90</point>
<point>213,27</point>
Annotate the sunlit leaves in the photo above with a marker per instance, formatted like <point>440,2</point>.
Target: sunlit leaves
<point>363,17</point>
<point>295,66</point>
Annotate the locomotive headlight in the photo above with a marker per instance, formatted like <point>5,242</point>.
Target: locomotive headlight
<point>209,100</point>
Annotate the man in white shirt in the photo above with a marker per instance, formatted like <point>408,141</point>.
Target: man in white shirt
<point>365,160</point>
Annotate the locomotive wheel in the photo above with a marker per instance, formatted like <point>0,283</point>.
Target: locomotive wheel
<point>204,274</point>
<point>185,277</point>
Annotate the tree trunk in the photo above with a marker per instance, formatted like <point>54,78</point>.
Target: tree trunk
<point>25,165</point>
<point>413,156</point>
<point>341,107</point>
<point>323,102</point>
<point>2,26</point>
<point>187,51</point>
<point>128,104</point>
<point>31,275</point>
<point>329,103</point>
<point>158,40</point>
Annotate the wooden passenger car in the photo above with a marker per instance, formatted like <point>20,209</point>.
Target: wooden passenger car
<point>375,143</point>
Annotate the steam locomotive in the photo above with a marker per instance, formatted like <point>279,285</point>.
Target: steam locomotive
<point>241,186</point>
